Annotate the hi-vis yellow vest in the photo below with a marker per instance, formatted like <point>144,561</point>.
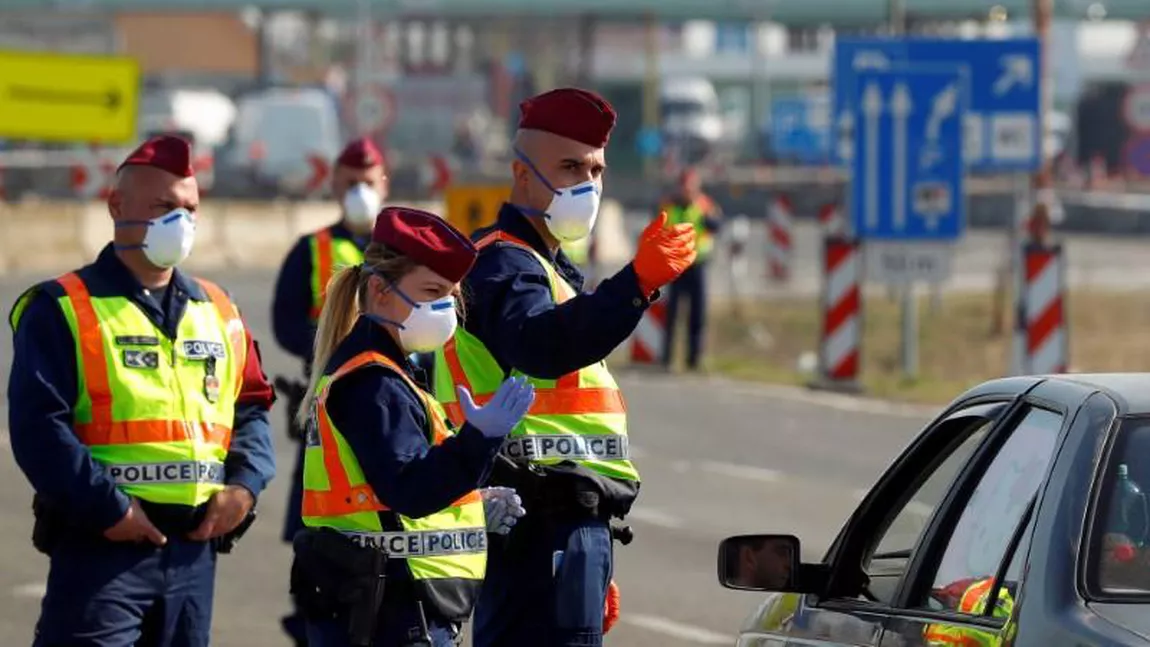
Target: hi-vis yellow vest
<point>445,552</point>
<point>156,413</point>
<point>328,255</point>
<point>973,602</point>
<point>695,216</point>
<point>580,417</point>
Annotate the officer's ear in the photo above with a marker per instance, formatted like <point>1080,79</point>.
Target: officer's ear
<point>519,172</point>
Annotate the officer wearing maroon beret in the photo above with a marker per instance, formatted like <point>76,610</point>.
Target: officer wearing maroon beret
<point>359,186</point>
<point>528,316</point>
<point>383,470</point>
<point>139,413</point>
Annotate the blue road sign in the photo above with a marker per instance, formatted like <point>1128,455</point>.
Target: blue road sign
<point>907,180</point>
<point>1002,130</point>
<point>800,129</point>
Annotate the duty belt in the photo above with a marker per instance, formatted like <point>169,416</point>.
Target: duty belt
<point>567,446</point>
<point>175,472</point>
<point>423,543</point>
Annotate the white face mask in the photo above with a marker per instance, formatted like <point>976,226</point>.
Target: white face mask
<point>573,210</point>
<point>572,213</point>
<point>429,326</point>
<point>361,204</point>
<point>169,239</point>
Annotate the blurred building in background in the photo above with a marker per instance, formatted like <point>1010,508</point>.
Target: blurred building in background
<point>268,97</point>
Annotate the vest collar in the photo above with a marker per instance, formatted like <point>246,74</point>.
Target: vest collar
<point>513,221</point>
<point>367,335</point>
<point>109,265</point>
<point>340,230</point>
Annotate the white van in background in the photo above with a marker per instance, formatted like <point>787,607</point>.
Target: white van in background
<point>275,134</point>
<point>691,118</point>
<point>203,113</point>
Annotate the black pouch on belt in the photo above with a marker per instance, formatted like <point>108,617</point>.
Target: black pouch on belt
<point>50,525</point>
<point>334,578</point>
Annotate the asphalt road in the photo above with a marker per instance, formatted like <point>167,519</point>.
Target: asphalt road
<point>717,459</point>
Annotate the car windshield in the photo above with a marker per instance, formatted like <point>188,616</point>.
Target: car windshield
<point>1120,558</point>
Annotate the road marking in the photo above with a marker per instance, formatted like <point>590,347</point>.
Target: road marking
<point>30,590</point>
<point>680,467</point>
<point>655,517</point>
<point>747,472</point>
<point>5,440</point>
<point>678,630</point>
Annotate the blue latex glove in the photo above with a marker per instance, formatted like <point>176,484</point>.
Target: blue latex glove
<point>507,407</point>
<point>502,507</point>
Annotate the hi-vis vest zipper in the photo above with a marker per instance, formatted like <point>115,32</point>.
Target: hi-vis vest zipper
<point>328,255</point>
<point>580,417</point>
<point>445,552</point>
<point>156,413</point>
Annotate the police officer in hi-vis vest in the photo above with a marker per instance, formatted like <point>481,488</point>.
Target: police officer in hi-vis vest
<point>139,413</point>
<point>527,316</point>
<point>395,546</point>
<point>691,206</point>
<point>360,185</point>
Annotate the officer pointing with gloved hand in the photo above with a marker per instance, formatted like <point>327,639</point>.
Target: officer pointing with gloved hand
<point>394,550</point>
<point>550,584</point>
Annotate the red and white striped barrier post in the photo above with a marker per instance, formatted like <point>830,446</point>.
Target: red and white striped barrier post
<point>92,177</point>
<point>840,343</point>
<point>831,220</point>
<point>780,238</point>
<point>649,336</point>
<point>1042,334</point>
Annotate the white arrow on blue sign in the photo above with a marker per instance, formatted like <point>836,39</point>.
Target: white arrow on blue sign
<point>908,168</point>
<point>1002,129</point>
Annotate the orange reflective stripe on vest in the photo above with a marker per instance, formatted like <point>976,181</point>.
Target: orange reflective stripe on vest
<point>341,498</point>
<point>972,594</point>
<point>91,349</point>
<point>325,267</point>
<point>566,398</point>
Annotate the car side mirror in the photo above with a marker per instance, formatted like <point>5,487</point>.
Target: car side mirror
<point>760,563</point>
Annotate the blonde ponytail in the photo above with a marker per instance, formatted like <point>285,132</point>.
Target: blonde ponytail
<point>346,299</point>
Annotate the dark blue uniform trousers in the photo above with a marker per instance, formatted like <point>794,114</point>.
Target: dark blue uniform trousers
<point>547,588</point>
<point>293,623</point>
<point>105,594</point>
<point>691,286</point>
<point>399,627</point>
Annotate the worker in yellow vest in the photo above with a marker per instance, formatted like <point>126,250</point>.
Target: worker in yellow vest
<point>395,547</point>
<point>691,206</point>
<point>139,413</point>
<point>359,185</point>
<point>528,316</point>
<point>970,597</point>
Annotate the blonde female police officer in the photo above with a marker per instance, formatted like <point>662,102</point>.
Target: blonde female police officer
<point>395,546</point>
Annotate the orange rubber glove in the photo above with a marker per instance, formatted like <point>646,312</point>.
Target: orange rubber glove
<point>664,253</point>
<point>611,612</point>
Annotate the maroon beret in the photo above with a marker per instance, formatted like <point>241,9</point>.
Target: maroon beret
<point>165,152</point>
<point>426,239</point>
<point>361,153</point>
<point>573,113</point>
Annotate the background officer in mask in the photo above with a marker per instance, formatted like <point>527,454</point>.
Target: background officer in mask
<point>359,184</point>
<point>528,316</point>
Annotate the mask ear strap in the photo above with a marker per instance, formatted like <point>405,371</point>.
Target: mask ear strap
<point>526,160</point>
<point>132,223</point>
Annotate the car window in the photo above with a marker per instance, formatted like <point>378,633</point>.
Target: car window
<point>991,517</point>
<point>1120,548</point>
<point>893,549</point>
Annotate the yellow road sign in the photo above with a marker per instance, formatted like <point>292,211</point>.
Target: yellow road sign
<point>67,98</point>
<point>471,207</point>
